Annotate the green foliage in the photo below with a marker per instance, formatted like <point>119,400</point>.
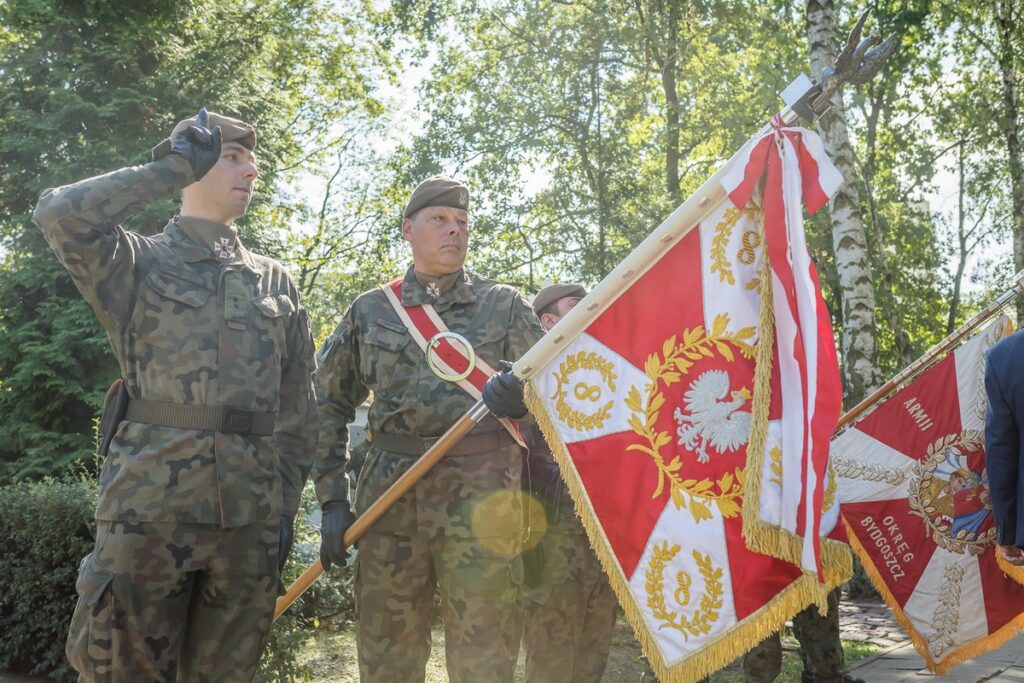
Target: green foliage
<point>89,87</point>
<point>46,528</point>
<point>327,603</point>
<point>581,126</point>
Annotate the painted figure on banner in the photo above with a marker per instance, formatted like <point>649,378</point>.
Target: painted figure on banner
<point>460,528</point>
<point>919,500</point>
<point>959,495</point>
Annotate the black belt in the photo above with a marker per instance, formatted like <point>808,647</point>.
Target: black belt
<point>470,444</point>
<point>205,418</point>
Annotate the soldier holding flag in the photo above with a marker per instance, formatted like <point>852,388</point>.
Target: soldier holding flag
<point>460,528</point>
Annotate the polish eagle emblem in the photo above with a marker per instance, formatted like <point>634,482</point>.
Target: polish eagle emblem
<point>710,418</point>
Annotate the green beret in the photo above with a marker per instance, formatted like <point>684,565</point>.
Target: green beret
<point>231,130</point>
<point>438,190</point>
<point>553,293</point>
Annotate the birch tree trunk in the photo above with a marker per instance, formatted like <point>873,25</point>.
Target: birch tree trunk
<point>1006,57</point>
<point>849,241</point>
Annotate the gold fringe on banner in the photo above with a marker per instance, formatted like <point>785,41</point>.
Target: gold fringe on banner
<point>711,656</point>
<point>956,656</point>
<point>761,536</point>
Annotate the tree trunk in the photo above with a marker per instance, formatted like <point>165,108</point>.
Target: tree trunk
<point>668,83</point>
<point>1011,130</point>
<point>961,265</point>
<point>859,344</point>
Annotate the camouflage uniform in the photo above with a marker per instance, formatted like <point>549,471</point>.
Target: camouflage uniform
<point>182,580</point>
<point>820,649</point>
<point>569,604</point>
<point>460,527</point>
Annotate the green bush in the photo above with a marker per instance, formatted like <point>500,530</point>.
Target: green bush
<point>46,528</point>
<point>329,601</point>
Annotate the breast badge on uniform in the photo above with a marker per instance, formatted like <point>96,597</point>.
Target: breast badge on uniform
<point>224,248</point>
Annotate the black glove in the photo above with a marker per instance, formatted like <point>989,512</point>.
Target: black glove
<point>285,540</point>
<point>336,518</point>
<point>198,145</point>
<point>503,393</point>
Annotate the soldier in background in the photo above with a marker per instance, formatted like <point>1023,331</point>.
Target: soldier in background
<point>569,604</point>
<point>460,527</point>
<point>820,649</point>
<point>203,476</point>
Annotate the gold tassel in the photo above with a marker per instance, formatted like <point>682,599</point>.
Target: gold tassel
<point>760,536</point>
<point>713,655</point>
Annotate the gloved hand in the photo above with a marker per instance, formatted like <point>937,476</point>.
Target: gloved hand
<point>199,146</point>
<point>285,541</point>
<point>503,393</point>
<point>336,518</point>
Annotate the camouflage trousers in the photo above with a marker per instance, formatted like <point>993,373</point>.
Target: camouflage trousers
<point>174,602</point>
<point>396,576</point>
<point>570,615</point>
<point>820,649</point>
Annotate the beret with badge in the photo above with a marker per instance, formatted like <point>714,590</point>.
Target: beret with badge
<point>438,190</point>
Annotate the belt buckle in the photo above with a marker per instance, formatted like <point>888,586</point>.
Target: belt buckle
<point>430,442</point>
<point>237,421</point>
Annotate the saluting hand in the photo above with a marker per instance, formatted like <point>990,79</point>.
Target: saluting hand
<point>198,144</point>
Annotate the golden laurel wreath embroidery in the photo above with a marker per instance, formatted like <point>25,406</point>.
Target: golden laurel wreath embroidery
<point>706,614</point>
<point>723,232</point>
<point>854,469</point>
<point>670,367</point>
<point>575,419</point>
<point>775,455</point>
<point>946,618</point>
<point>923,503</point>
<point>829,498</point>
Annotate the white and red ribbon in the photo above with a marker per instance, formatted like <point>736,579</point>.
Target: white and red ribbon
<point>797,173</point>
<point>423,324</point>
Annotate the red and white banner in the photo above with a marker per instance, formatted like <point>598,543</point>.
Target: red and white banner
<point>914,496</point>
<point>653,411</point>
<point>785,502</point>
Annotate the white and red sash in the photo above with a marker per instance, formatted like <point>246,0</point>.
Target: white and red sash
<point>424,323</point>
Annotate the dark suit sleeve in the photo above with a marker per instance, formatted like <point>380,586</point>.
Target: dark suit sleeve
<point>1002,456</point>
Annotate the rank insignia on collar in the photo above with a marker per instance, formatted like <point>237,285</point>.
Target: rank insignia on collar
<point>433,290</point>
<point>224,248</point>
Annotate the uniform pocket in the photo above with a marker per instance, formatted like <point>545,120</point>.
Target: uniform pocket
<point>89,646</point>
<point>267,335</point>
<point>169,307</point>
<point>384,344</point>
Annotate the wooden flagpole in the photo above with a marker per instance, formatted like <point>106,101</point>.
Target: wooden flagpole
<point>803,96</point>
<point>933,354</point>
<point>387,499</point>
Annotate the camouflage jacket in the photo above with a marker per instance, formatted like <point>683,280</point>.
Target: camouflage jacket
<point>193,318</point>
<point>543,478</point>
<point>372,350</point>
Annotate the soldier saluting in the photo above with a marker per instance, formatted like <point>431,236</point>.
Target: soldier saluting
<point>203,475</point>
<point>460,527</point>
